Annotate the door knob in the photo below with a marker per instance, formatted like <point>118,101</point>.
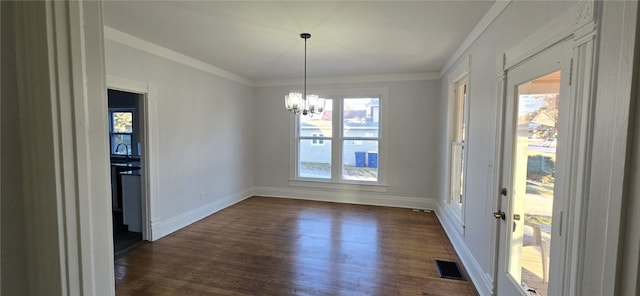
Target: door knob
<point>499,215</point>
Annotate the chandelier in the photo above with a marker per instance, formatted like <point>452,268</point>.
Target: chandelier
<point>298,103</point>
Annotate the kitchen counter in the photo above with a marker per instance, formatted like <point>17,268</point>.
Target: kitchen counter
<point>132,167</point>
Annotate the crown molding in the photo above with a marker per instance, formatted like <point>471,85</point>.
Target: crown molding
<point>352,79</point>
<point>152,48</point>
<point>482,25</point>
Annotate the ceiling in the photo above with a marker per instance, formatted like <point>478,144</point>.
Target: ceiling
<point>260,40</point>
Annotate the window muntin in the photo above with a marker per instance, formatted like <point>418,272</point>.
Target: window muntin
<point>318,140</point>
<point>340,146</point>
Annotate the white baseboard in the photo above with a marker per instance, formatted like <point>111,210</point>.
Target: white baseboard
<point>353,197</point>
<point>481,280</point>
<point>165,227</point>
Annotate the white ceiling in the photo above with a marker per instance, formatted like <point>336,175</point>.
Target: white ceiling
<point>260,40</point>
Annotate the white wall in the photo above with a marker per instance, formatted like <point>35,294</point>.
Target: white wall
<point>612,158</point>
<point>205,137</point>
<point>412,129</point>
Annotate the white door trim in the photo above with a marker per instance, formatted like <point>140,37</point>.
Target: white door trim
<point>61,84</point>
<point>579,27</point>
<point>149,157</point>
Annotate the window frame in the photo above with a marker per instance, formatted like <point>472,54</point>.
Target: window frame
<point>460,74</point>
<point>317,139</point>
<point>338,141</point>
<point>133,149</point>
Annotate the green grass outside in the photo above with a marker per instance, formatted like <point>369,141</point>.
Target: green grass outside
<point>537,219</point>
<point>540,173</point>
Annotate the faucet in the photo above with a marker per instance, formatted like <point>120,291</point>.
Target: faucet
<point>126,149</point>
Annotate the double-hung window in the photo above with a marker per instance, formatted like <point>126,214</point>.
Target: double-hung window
<point>458,144</point>
<point>343,143</point>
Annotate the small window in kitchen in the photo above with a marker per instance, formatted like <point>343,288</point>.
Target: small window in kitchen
<point>121,132</point>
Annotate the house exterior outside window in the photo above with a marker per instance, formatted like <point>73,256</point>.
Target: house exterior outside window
<point>343,143</point>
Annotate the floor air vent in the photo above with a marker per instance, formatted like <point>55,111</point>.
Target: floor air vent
<point>449,270</point>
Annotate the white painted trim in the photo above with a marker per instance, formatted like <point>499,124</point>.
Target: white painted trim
<point>340,186</point>
<point>579,27</point>
<point>552,33</point>
<point>152,48</point>
<point>149,182</point>
<point>481,280</point>
<point>353,197</point>
<point>60,86</point>
<point>460,71</point>
<point>351,79</point>
<point>484,23</point>
<point>496,171</point>
<point>127,85</point>
<point>167,226</point>
<point>1,147</point>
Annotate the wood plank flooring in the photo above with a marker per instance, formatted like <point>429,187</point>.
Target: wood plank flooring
<point>271,246</point>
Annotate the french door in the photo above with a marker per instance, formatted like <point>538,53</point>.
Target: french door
<point>535,140</point>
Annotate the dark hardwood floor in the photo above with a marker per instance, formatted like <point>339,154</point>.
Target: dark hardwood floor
<point>271,246</point>
<point>123,239</point>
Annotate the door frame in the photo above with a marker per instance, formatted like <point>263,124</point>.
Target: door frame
<point>555,58</point>
<point>148,123</point>
<point>579,30</point>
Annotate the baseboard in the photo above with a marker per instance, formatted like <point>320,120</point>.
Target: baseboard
<point>165,227</point>
<point>353,197</point>
<point>481,280</point>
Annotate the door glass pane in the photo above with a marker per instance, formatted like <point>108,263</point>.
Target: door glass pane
<point>315,158</point>
<point>536,138</point>
<point>360,160</point>
<point>361,117</point>
<point>312,125</point>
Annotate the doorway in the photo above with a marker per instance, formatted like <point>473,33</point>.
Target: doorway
<point>126,146</point>
<point>536,135</point>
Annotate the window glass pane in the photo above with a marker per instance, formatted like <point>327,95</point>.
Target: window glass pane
<point>122,122</point>
<point>315,159</point>
<point>360,162</point>
<point>318,123</point>
<point>361,117</point>
<point>121,144</point>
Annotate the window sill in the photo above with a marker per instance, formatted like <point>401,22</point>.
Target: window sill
<point>339,186</point>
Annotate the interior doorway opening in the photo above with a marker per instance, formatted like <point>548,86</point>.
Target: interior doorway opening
<point>126,145</point>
